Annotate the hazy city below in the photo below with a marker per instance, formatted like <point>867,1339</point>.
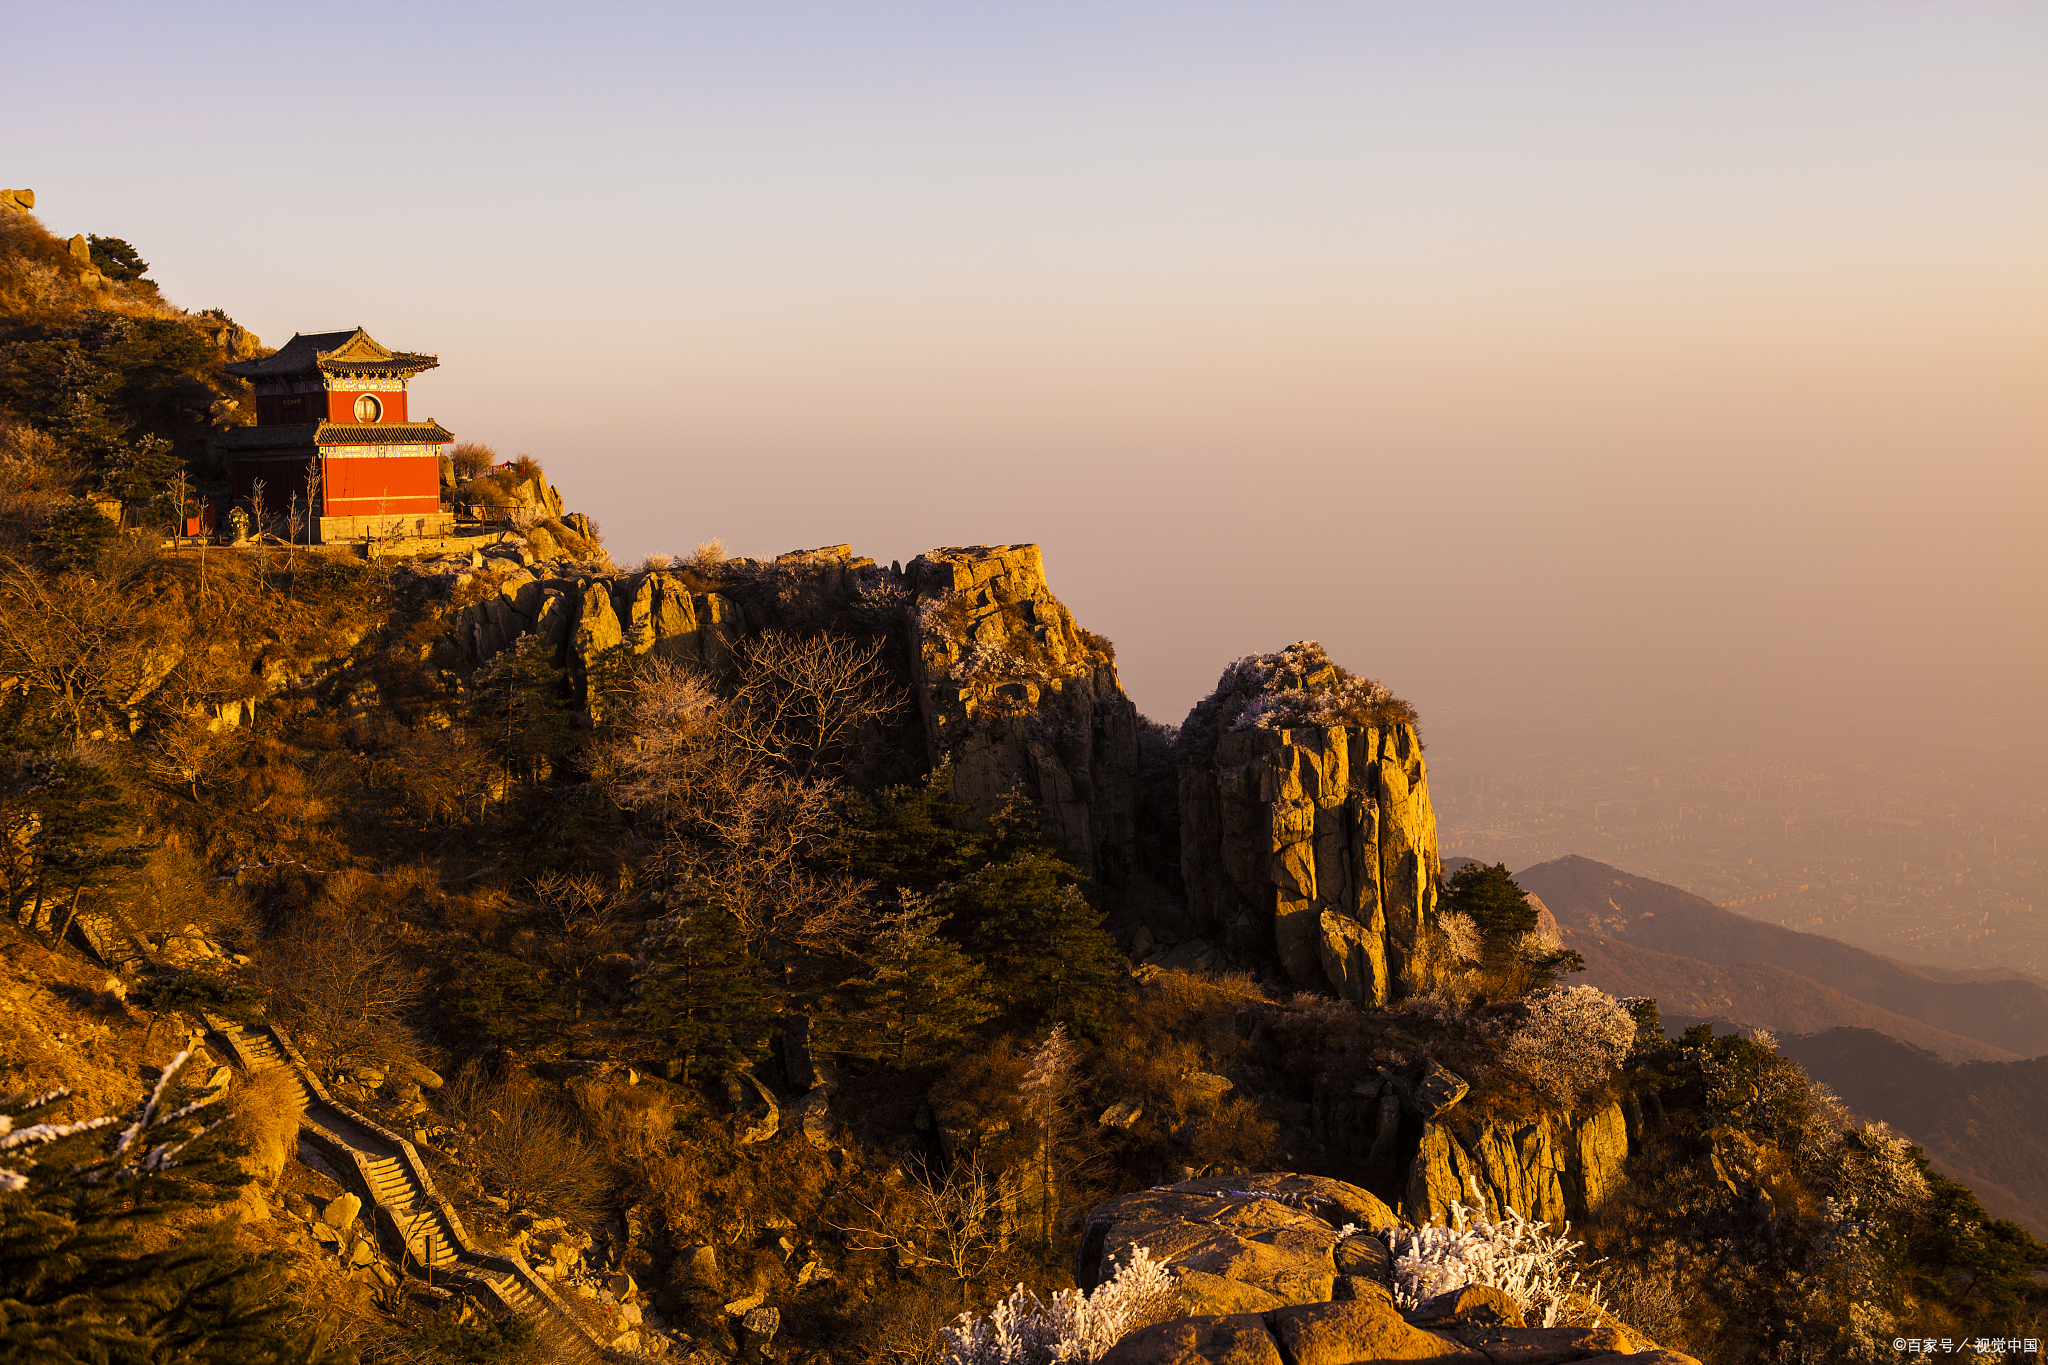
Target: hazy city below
<point>1931,853</point>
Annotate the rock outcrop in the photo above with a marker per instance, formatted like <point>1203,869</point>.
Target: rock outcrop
<point>1559,1167</point>
<point>1007,689</point>
<point>1016,697</point>
<point>22,201</point>
<point>1317,843</point>
<point>1289,1268</point>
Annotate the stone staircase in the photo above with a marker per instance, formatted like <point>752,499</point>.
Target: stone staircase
<point>417,1229</point>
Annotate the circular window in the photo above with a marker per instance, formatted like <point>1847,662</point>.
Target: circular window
<point>368,409</point>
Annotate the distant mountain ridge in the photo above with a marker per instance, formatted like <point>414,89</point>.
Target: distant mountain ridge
<point>1645,937</point>
<point>1755,994</point>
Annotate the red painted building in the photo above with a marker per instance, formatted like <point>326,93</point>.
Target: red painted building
<point>335,402</point>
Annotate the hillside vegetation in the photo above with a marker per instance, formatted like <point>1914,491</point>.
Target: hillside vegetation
<point>778,958</point>
<point>1984,1122</point>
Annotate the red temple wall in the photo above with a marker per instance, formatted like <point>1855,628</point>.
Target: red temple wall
<point>341,405</point>
<point>379,485</point>
<point>282,476</point>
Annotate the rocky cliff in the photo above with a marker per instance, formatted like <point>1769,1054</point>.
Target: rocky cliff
<point>1006,688</point>
<point>1317,843</point>
<point>1552,1168</point>
<point>1017,697</point>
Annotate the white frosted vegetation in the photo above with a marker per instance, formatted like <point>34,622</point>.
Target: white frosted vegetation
<point>1572,1041</point>
<point>1075,1326</point>
<point>1523,1260</point>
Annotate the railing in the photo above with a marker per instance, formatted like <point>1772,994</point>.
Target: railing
<point>473,1266</point>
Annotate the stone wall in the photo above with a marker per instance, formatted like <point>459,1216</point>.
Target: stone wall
<point>1317,844</point>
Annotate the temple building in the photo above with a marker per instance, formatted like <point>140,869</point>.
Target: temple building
<point>335,403</point>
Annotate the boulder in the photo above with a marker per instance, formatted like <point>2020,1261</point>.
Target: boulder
<point>1361,1330</point>
<point>1211,1339</point>
<point>796,1053</point>
<point>1276,1233</point>
<point>1203,1293</point>
<point>1122,1114</point>
<point>1266,1278</point>
<point>1364,1256</point>
<point>760,1325</point>
<point>341,1211</point>
<point>21,200</point>
<point>812,1116</point>
<point>1479,1305</point>
<point>1437,1091</point>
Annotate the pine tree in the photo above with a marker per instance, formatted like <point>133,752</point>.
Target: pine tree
<point>910,835</point>
<point>921,992</point>
<point>75,1286</point>
<point>699,995</point>
<point>1514,962</point>
<point>1491,899</point>
<point>1045,944</point>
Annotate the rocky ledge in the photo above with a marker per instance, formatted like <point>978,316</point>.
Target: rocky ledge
<point>1284,1269</point>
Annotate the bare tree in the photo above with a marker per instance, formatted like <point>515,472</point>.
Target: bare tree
<point>952,1219</point>
<point>802,699</point>
<point>583,920</point>
<point>663,754</point>
<point>344,982</point>
<point>526,1143</point>
<point>84,646</point>
<point>748,853</point>
<point>313,501</point>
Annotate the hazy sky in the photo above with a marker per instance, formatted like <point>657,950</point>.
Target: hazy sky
<point>1534,356</point>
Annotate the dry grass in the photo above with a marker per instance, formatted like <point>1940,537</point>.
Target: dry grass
<point>266,1108</point>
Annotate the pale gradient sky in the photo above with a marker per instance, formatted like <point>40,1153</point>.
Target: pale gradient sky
<point>1536,357</point>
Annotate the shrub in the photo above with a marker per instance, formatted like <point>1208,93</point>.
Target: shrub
<point>1572,1041</point>
<point>473,460</point>
<point>1520,1258</point>
<point>1025,1330</point>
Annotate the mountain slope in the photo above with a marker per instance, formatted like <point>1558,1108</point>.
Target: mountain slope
<point>1593,899</point>
<point>1985,1123</point>
<point>1756,994</point>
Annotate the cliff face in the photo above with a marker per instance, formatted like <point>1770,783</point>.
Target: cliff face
<point>1018,698</point>
<point>1006,687</point>
<point>1555,1168</point>
<point>1319,844</point>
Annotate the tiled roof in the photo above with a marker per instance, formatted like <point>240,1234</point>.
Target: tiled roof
<point>381,434</point>
<point>302,434</point>
<point>353,352</point>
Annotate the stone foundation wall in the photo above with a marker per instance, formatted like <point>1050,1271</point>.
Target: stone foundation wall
<point>412,525</point>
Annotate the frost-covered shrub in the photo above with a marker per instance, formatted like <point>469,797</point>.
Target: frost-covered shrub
<point>1874,1170</point>
<point>1297,686</point>
<point>1523,1260</point>
<point>1572,1041</point>
<point>1465,939</point>
<point>1075,1326</point>
<point>1750,1085</point>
